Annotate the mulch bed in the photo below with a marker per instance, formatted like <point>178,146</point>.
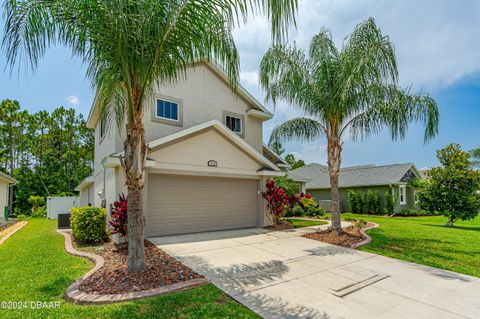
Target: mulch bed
<point>114,278</point>
<point>351,235</point>
<point>281,225</point>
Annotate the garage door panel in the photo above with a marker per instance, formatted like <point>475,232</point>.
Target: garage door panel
<point>187,204</point>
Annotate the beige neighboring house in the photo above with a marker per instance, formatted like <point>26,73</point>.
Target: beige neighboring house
<point>206,160</point>
<point>5,182</point>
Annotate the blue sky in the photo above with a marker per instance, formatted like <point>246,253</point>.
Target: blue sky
<point>436,52</point>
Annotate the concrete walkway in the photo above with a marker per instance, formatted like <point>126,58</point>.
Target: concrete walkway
<point>283,275</point>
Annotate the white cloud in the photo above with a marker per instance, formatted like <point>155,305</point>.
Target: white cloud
<point>311,152</point>
<point>434,43</point>
<point>72,99</point>
<point>434,39</point>
<point>249,78</point>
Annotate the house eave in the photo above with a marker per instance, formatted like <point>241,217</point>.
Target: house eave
<point>84,183</point>
<point>10,180</point>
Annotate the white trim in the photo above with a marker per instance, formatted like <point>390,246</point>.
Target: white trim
<point>259,114</point>
<point>84,183</point>
<point>270,173</point>
<point>166,118</point>
<point>8,178</point>
<point>404,188</point>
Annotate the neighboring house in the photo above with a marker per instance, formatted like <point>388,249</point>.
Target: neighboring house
<point>5,182</point>
<point>425,173</point>
<point>206,161</point>
<point>386,178</point>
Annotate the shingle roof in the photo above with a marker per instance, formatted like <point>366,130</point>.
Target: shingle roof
<point>355,176</point>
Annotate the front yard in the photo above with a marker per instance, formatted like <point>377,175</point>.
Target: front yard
<point>425,240</point>
<point>35,267</point>
<point>299,222</point>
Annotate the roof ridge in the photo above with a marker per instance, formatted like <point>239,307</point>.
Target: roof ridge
<point>370,166</point>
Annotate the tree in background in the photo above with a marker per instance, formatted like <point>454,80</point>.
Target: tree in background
<point>48,153</point>
<point>130,47</point>
<point>352,91</point>
<point>452,188</point>
<point>476,156</point>
<point>277,147</point>
<point>292,162</point>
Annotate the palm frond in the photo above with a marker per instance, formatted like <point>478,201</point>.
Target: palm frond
<point>301,128</point>
<point>285,75</point>
<point>368,60</point>
<point>396,110</point>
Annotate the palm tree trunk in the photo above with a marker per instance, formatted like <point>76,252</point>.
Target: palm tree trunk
<point>334,151</point>
<point>134,164</point>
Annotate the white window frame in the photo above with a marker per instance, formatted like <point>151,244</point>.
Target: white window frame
<point>235,117</point>
<point>166,118</point>
<point>404,200</point>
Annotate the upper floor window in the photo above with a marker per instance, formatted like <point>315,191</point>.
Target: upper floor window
<point>103,126</point>
<point>167,110</point>
<point>402,194</point>
<point>234,123</point>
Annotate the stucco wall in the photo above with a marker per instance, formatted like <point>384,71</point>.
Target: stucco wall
<point>3,198</point>
<point>203,97</point>
<point>87,196</point>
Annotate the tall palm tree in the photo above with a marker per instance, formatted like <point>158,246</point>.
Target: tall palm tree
<point>129,46</point>
<point>353,91</point>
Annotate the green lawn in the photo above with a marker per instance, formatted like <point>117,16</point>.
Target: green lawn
<point>35,267</point>
<point>299,223</point>
<point>425,240</point>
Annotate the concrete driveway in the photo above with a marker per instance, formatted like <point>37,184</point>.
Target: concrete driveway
<point>283,275</point>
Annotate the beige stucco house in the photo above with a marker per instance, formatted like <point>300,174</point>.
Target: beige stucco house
<point>206,159</point>
<point>5,182</point>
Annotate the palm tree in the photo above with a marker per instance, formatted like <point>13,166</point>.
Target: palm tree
<point>353,91</point>
<point>129,46</point>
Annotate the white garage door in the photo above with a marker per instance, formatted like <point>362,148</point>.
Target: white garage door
<point>186,204</point>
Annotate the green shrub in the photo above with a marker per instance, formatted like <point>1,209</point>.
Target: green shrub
<point>311,207</point>
<point>315,212</point>
<point>294,211</point>
<point>36,202</point>
<point>40,212</point>
<point>389,201</point>
<point>20,216</point>
<point>374,202</point>
<point>355,202</point>
<point>89,224</point>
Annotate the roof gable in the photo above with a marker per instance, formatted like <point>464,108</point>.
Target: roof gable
<point>221,129</point>
<point>357,176</point>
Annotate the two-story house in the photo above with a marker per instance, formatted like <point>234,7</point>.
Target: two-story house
<point>206,159</point>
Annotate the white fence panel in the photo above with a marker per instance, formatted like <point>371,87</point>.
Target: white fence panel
<point>60,205</point>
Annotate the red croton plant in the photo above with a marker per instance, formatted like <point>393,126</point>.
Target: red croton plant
<point>276,198</point>
<point>118,222</point>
